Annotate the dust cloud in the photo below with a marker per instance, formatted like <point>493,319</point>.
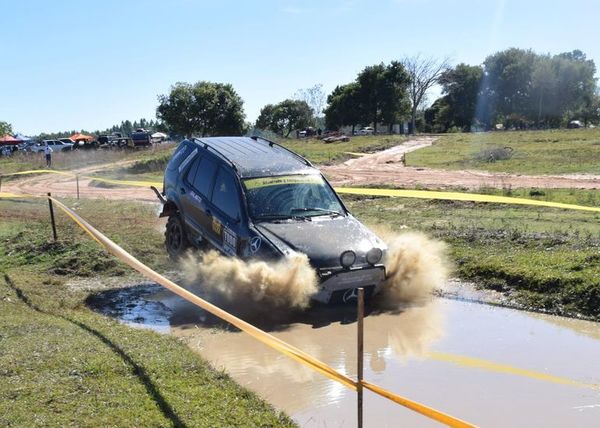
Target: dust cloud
<point>287,283</point>
<point>416,266</point>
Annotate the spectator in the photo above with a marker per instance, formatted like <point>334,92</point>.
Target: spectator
<point>48,152</point>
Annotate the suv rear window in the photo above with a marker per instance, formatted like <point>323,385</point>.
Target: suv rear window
<point>179,156</point>
<point>225,194</point>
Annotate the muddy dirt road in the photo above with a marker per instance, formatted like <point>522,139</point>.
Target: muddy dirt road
<point>492,366</point>
<point>386,167</point>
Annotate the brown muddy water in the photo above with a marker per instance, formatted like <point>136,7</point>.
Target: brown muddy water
<point>488,365</point>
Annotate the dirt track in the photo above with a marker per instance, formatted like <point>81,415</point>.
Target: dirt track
<point>384,167</point>
<point>65,186</point>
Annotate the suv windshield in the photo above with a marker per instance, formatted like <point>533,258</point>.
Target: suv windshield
<point>290,196</point>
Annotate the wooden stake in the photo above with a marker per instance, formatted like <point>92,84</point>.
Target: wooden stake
<point>52,217</point>
<point>359,354</point>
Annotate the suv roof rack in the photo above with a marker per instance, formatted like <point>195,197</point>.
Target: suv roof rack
<point>273,143</point>
<point>218,153</point>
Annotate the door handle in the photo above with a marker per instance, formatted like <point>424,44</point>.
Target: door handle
<point>182,190</point>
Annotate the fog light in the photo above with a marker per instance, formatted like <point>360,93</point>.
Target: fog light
<point>347,258</point>
<point>374,255</point>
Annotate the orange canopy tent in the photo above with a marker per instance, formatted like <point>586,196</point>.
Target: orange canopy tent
<point>9,140</point>
<point>81,137</point>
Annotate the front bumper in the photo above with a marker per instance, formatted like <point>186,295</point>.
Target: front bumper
<point>340,287</point>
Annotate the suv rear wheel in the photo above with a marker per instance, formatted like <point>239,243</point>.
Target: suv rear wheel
<point>175,237</point>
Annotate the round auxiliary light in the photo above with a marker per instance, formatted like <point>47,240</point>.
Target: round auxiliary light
<point>374,255</point>
<point>347,258</point>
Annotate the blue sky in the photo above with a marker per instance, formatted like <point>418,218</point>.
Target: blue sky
<point>82,64</point>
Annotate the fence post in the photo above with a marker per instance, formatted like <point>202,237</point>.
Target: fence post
<point>359,355</point>
<point>77,179</point>
<point>52,216</point>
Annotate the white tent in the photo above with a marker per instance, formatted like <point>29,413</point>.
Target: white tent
<point>159,136</point>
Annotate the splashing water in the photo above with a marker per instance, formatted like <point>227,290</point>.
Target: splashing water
<point>289,282</point>
<point>416,265</point>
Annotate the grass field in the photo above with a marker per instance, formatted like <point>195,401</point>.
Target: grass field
<point>546,259</point>
<point>534,152</point>
<point>61,364</point>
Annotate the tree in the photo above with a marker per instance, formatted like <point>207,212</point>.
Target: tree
<point>382,93</point>
<point>5,128</point>
<point>424,73</point>
<point>344,107</point>
<point>284,117</point>
<point>460,86</point>
<point>314,97</point>
<point>204,108</point>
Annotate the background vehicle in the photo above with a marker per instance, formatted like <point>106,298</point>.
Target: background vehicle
<point>55,145</point>
<point>141,138</point>
<point>251,198</point>
<point>113,140</point>
<point>367,130</point>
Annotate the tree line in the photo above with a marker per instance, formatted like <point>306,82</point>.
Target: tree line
<point>514,87</point>
<point>517,88</point>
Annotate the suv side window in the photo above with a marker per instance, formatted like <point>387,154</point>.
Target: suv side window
<point>225,194</point>
<point>203,175</point>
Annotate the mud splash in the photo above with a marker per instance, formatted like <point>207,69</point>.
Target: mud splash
<point>416,266</point>
<point>288,283</point>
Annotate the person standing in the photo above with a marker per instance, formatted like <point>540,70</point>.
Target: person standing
<point>48,152</point>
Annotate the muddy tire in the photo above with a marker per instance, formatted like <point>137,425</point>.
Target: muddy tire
<point>176,240</point>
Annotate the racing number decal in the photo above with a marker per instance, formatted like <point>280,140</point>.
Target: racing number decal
<point>217,227</point>
<point>229,242</point>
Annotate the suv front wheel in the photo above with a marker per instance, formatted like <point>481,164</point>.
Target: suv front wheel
<point>175,237</point>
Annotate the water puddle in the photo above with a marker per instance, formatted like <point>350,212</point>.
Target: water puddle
<point>488,365</point>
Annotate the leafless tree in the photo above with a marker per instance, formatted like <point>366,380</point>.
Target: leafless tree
<point>424,72</point>
<point>314,97</point>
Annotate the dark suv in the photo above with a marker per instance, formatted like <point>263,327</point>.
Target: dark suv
<point>252,198</point>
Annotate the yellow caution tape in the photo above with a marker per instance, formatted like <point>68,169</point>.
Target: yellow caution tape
<point>255,332</point>
<point>125,182</point>
<point>454,196</point>
<point>417,407</point>
<point>366,191</point>
<point>41,171</point>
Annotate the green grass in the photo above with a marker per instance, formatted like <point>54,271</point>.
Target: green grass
<point>64,364</point>
<point>547,258</point>
<point>534,152</point>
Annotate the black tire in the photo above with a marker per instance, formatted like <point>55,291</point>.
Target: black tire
<point>176,240</point>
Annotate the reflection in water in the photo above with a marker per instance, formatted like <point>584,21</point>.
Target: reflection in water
<point>294,387</point>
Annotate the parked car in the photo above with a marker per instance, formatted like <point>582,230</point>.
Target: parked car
<point>55,145</point>
<point>254,199</point>
<point>68,141</point>
<point>367,130</point>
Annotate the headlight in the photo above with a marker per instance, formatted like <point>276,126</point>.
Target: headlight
<point>374,255</point>
<point>347,258</point>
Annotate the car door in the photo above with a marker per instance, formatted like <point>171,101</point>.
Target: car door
<point>226,211</point>
<point>197,186</point>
